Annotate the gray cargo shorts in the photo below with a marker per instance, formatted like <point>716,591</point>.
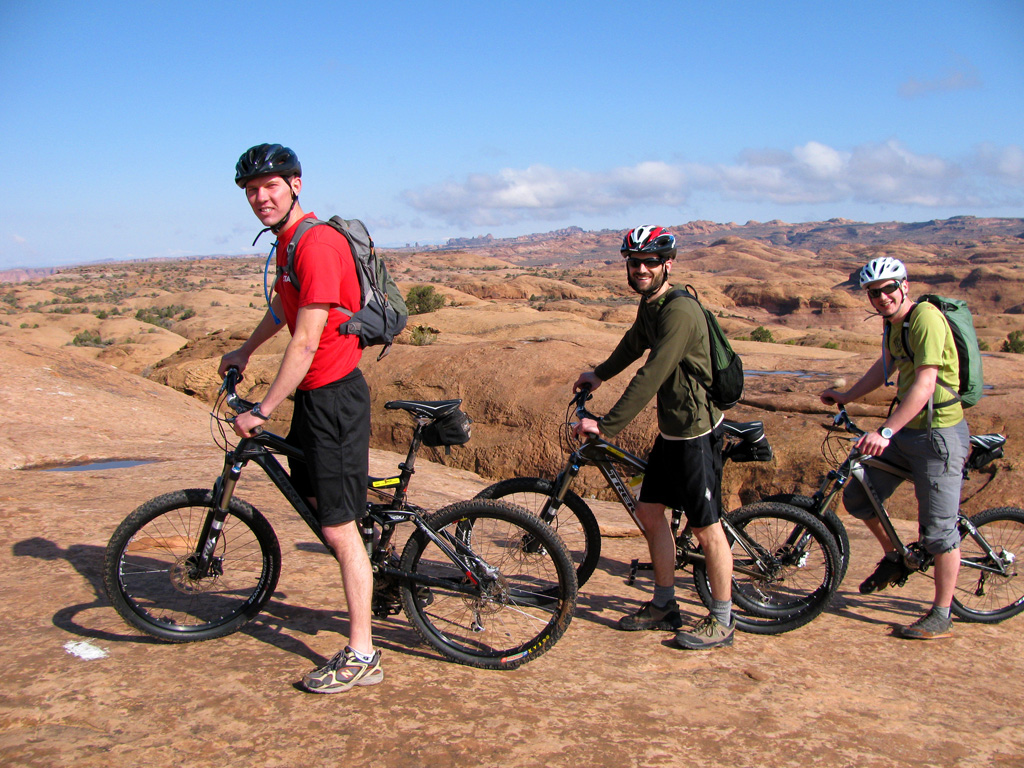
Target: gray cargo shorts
<point>936,464</point>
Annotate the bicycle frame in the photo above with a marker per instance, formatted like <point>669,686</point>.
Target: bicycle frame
<point>855,467</point>
<point>262,449</point>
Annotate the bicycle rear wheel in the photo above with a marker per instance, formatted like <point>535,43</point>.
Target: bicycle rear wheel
<point>785,568</point>
<point>573,520</point>
<point>507,600</point>
<point>148,574</point>
<point>991,589</point>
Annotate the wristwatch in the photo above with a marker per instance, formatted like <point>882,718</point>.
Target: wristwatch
<point>886,433</point>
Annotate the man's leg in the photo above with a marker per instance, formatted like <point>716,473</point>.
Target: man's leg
<point>947,568</point>
<point>719,559</point>
<point>356,580</point>
<point>661,612</point>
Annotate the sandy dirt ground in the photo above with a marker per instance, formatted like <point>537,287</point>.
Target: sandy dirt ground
<point>841,691</point>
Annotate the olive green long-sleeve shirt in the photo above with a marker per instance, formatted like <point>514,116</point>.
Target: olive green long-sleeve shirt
<point>676,335</point>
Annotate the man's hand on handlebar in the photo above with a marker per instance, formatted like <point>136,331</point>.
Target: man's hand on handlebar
<point>587,380</point>
<point>585,428</point>
<point>233,360</point>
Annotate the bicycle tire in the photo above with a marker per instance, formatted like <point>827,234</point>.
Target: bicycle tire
<point>985,596</point>
<point>801,583</point>
<point>145,571</point>
<point>574,521</point>
<point>502,622</point>
<point>829,517</point>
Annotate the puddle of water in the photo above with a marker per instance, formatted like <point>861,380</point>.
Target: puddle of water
<point>99,465</point>
<point>798,374</point>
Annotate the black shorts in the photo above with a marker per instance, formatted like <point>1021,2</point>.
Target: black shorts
<point>331,424</point>
<point>687,475</point>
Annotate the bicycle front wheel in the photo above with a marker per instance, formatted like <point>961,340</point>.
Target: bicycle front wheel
<point>504,595</point>
<point>828,517</point>
<point>785,568</point>
<point>990,585</point>
<point>572,520</point>
<point>149,576</point>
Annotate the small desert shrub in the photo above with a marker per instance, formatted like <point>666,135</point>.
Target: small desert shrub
<point>422,299</point>
<point>88,339</point>
<point>1014,343</point>
<point>761,334</point>
<point>422,336</point>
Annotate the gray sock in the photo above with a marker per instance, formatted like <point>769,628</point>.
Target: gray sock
<point>943,612</point>
<point>722,610</point>
<point>663,595</point>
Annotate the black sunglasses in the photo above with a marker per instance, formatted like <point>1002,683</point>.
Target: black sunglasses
<point>651,263</point>
<point>874,293</point>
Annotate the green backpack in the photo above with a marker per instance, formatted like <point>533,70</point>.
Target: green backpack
<point>726,367</point>
<point>968,352</point>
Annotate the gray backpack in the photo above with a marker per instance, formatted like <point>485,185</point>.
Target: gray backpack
<point>383,313</point>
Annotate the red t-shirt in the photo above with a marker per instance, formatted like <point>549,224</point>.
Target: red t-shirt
<point>327,275</point>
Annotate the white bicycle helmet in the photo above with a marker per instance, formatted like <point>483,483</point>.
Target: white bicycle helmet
<point>884,268</point>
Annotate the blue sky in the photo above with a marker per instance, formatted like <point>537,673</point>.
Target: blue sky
<point>123,120</point>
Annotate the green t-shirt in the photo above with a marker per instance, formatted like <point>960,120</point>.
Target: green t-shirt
<point>932,343</point>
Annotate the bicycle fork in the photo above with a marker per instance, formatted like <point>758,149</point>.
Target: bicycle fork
<point>202,563</point>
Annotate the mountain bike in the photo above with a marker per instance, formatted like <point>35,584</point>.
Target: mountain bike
<point>990,585</point>
<point>484,583</point>
<point>785,561</point>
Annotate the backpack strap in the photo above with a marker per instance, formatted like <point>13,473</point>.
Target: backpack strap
<point>289,269</point>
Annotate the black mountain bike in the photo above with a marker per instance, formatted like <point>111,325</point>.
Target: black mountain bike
<point>785,561</point>
<point>483,582</point>
<point>990,585</point>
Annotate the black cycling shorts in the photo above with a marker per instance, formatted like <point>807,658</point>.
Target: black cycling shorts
<point>331,424</point>
<point>687,475</point>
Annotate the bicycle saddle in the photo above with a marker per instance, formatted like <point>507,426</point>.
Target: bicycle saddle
<point>748,431</point>
<point>430,409</point>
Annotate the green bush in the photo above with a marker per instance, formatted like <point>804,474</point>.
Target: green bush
<point>1014,343</point>
<point>761,334</point>
<point>422,336</point>
<point>422,299</point>
<point>88,339</point>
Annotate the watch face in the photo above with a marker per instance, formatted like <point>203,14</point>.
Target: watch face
<point>886,433</point>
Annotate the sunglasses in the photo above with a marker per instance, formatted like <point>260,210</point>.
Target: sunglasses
<point>874,293</point>
<point>634,263</point>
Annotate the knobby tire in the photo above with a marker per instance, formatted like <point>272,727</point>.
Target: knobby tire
<point>502,622</point>
<point>829,517</point>
<point>147,576</point>
<point>574,521</point>
<point>799,581</point>
<point>982,594</point>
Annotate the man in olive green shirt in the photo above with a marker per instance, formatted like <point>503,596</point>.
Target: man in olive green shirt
<point>924,434</point>
<point>684,468</point>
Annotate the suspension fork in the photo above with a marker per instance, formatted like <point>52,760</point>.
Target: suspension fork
<point>223,490</point>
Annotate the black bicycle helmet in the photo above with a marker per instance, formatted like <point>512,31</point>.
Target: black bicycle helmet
<point>265,159</point>
<point>656,241</point>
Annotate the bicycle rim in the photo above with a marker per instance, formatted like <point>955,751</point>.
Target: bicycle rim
<point>574,522</point>
<point>991,589</point>
<point>510,617</point>
<point>797,565</point>
<point>148,574</point>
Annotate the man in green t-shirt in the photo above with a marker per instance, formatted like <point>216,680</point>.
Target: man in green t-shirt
<point>684,469</point>
<point>925,434</point>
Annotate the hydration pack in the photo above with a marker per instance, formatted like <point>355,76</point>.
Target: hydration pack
<point>726,386</point>
<point>968,352</point>
<point>383,313</point>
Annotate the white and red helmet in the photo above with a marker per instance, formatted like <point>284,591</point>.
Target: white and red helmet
<point>656,241</point>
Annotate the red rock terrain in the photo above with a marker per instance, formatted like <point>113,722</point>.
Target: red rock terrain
<point>839,692</point>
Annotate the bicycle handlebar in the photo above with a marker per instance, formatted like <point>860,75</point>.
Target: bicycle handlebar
<point>843,421</point>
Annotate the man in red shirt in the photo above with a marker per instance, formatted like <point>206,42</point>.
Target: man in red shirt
<point>331,421</point>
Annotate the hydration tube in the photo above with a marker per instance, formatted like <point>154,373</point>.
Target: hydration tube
<point>266,290</point>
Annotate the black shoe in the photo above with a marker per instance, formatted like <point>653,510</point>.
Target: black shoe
<point>888,573</point>
<point>650,617</point>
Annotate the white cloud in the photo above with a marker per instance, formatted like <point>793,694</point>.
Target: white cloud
<point>882,173</point>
